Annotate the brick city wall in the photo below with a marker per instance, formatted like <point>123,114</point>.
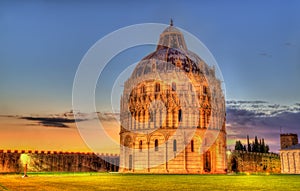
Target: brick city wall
<point>242,161</point>
<point>52,161</point>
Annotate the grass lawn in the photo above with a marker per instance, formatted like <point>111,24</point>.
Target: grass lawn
<point>114,181</point>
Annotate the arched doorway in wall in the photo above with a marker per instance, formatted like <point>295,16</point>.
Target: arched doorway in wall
<point>128,158</point>
<point>130,162</point>
<point>207,161</point>
<point>234,164</point>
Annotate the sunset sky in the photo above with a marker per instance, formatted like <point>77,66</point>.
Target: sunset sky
<point>256,45</point>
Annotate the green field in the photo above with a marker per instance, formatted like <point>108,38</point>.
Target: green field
<point>114,181</point>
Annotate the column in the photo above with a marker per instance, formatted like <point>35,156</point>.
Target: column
<point>133,156</point>
<point>200,118</point>
<point>134,120</point>
<point>130,125</point>
<point>281,162</point>
<point>288,162</point>
<point>160,118</point>
<point>138,119</point>
<point>175,118</point>
<point>184,155</point>
<point>169,118</point>
<point>148,158</point>
<point>295,169</point>
<point>166,157</point>
<point>143,119</point>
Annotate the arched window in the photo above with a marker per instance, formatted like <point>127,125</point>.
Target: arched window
<point>156,144</point>
<point>157,87</point>
<point>143,89</point>
<point>179,115</point>
<point>152,114</point>
<point>192,145</point>
<point>190,87</point>
<point>173,86</point>
<point>204,90</point>
<point>141,145</point>
<point>153,67</point>
<point>174,145</point>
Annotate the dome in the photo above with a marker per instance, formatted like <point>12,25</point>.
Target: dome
<point>172,49</point>
<point>171,29</point>
<point>172,37</point>
<point>160,57</point>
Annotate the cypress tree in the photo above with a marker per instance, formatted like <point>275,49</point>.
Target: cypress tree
<point>264,150</point>
<point>238,146</point>
<point>260,146</point>
<point>255,147</point>
<point>267,149</point>
<point>248,144</point>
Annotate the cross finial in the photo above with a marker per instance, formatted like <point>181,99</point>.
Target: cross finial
<point>171,22</point>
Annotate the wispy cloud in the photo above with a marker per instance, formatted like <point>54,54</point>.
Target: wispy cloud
<point>289,44</point>
<point>265,54</point>
<point>61,120</point>
<point>263,119</point>
<point>263,108</point>
<point>51,122</point>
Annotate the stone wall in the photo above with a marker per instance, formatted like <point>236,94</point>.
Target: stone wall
<point>290,161</point>
<point>41,161</point>
<point>242,161</point>
<point>195,157</point>
<point>287,140</point>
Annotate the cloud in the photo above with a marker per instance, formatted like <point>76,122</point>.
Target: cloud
<point>108,116</point>
<point>263,108</point>
<point>51,122</point>
<point>265,54</point>
<point>61,120</point>
<point>264,119</point>
<point>289,44</point>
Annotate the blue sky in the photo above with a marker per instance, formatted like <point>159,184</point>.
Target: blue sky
<point>256,44</point>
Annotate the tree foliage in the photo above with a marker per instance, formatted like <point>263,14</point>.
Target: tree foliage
<point>257,146</point>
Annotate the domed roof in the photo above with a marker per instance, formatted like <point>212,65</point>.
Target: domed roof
<point>171,49</point>
<point>171,37</point>
<point>175,56</point>
<point>171,28</point>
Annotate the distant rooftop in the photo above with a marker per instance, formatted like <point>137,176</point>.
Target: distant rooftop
<point>297,146</point>
<point>287,134</point>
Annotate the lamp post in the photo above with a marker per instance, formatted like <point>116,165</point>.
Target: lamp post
<point>25,160</point>
<point>25,171</point>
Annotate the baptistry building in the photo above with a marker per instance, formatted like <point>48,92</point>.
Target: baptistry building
<point>172,113</point>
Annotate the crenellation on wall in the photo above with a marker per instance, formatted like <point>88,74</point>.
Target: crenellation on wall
<point>56,161</point>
